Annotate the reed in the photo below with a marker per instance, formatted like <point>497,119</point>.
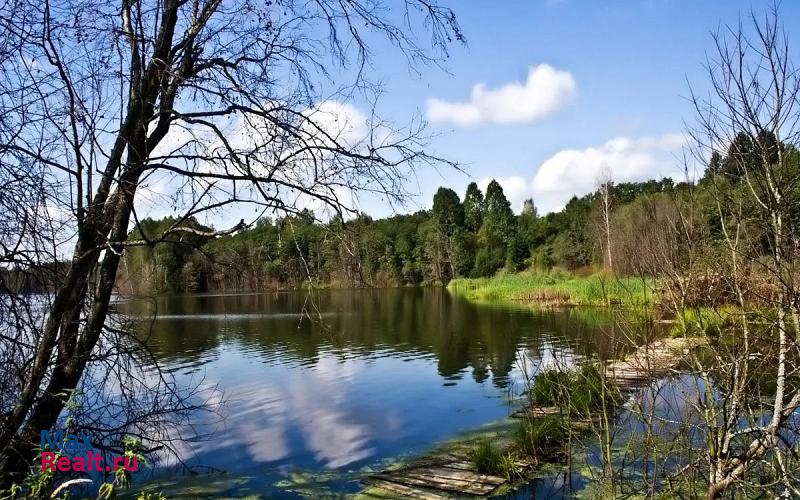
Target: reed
<point>556,288</point>
<point>487,458</point>
<point>537,437</point>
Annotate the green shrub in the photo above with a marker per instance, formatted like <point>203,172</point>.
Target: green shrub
<point>45,484</point>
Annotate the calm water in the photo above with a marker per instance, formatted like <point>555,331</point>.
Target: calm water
<point>370,377</point>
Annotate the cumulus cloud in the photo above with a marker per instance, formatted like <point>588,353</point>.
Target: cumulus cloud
<point>545,91</point>
<point>572,172</point>
<point>327,124</point>
<point>342,121</point>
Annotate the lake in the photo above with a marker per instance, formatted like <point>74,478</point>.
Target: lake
<point>317,390</point>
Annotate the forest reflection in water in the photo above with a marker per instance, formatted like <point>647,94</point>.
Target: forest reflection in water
<point>318,389</point>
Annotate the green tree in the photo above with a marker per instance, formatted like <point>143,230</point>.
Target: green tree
<point>495,233</point>
<point>156,263</point>
<point>516,252</point>
<point>527,233</point>
<point>447,211</point>
<point>715,163</point>
<point>473,208</point>
<point>448,216</point>
<point>748,151</point>
<point>496,206</point>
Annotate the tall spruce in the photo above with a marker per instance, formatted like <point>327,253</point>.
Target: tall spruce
<point>496,231</point>
<point>473,208</point>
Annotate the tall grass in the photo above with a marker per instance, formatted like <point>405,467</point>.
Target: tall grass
<point>486,457</point>
<point>555,287</point>
<point>536,437</point>
<point>578,391</point>
<point>705,321</point>
<point>489,459</point>
<point>551,388</point>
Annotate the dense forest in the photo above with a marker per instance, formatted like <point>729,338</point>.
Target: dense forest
<point>476,236</point>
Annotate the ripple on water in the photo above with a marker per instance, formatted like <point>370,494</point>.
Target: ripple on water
<point>231,317</point>
<point>191,361</point>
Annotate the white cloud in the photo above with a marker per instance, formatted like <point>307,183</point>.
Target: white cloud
<point>328,124</point>
<point>544,92</point>
<point>342,121</point>
<point>572,172</point>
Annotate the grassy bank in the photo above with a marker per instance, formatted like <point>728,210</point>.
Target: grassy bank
<point>555,288</point>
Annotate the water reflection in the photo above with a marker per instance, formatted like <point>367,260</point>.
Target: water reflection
<point>358,378</point>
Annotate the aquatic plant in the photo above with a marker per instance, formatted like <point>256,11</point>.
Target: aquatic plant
<point>704,321</point>
<point>510,467</point>
<point>487,458</point>
<point>551,387</point>
<point>579,391</point>
<point>490,459</point>
<point>537,436</point>
<point>587,392</point>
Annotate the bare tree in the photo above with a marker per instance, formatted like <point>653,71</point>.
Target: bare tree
<point>605,187</point>
<point>197,105</point>
<point>723,254</point>
<point>751,111</point>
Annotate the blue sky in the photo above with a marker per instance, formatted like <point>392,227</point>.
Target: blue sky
<point>612,99</point>
<point>548,97</point>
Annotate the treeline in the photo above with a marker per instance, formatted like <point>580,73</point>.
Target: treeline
<point>476,237</point>
<point>32,279</point>
<point>612,229</point>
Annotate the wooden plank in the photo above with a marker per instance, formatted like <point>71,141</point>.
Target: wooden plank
<point>458,456</point>
<point>629,377</point>
<point>536,411</point>
<point>449,483</point>
<point>414,478</point>
<point>405,491</point>
<point>627,385</point>
<point>464,475</point>
<point>459,465</point>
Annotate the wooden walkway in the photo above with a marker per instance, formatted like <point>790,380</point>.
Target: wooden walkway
<point>448,475</point>
<point>648,363</point>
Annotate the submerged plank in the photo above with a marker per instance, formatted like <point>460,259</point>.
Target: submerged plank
<point>536,411</point>
<point>459,465</point>
<point>462,486</point>
<point>464,475</point>
<point>417,477</point>
<point>404,491</point>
